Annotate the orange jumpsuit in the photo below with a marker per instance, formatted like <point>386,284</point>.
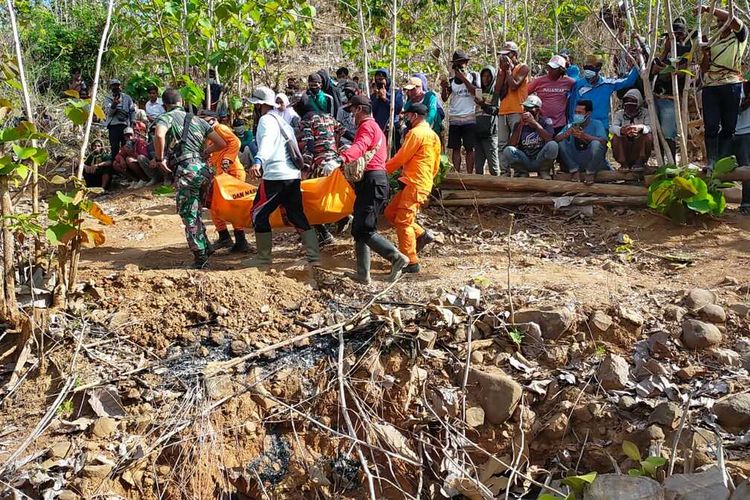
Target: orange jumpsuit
<point>419,156</point>
<point>231,153</point>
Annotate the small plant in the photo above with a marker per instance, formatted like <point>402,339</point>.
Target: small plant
<point>163,190</point>
<point>649,465</point>
<point>66,408</point>
<point>676,191</point>
<point>516,336</point>
<point>576,484</point>
<point>77,109</point>
<point>601,351</point>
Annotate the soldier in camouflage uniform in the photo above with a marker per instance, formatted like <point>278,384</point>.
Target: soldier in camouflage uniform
<point>192,176</point>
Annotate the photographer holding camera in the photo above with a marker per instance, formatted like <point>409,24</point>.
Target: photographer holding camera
<point>514,75</point>
<point>462,88</point>
<point>120,111</point>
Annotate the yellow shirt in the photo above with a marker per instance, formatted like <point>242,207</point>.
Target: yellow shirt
<point>512,101</point>
<point>726,60</point>
<point>419,156</point>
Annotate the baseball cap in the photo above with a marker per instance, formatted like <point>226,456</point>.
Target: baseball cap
<point>114,81</point>
<point>460,55</point>
<point>128,130</point>
<point>357,100</point>
<point>557,62</point>
<point>533,101</point>
<point>413,83</point>
<point>264,95</point>
<point>418,108</point>
<point>509,47</point>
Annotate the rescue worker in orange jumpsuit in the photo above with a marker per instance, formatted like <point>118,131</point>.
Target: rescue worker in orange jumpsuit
<point>419,161</point>
<point>226,160</point>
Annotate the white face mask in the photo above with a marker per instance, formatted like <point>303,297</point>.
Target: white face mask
<point>589,74</point>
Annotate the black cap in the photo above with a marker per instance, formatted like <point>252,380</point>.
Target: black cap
<point>460,55</point>
<point>418,108</point>
<point>238,122</point>
<point>679,25</point>
<point>315,78</point>
<point>358,100</point>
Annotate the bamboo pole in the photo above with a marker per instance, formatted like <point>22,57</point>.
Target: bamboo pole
<point>27,104</point>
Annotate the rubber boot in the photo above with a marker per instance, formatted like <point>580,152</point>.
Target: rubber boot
<point>240,242</point>
<point>224,241</point>
<point>324,236</point>
<point>425,239</point>
<point>389,252</point>
<point>413,268</point>
<point>725,148</point>
<point>310,242</point>
<point>264,242</point>
<point>364,259</point>
<point>200,259</point>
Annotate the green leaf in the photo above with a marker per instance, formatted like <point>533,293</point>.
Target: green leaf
<point>660,193</point>
<point>164,191</point>
<point>577,483</point>
<point>635,472</point>
<point>56,232</point>
<point>656,461</point>
<point>58,179</point>
<point>40,157</point>
<point>77,115</point>
<point>724,166</point>
<point>24,153</point>
<point>22,171</point>
<point>631,450</point>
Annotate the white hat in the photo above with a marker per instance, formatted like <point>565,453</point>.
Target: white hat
<point>556,62</point>
<point>533,101</point>
<point>264,95</point>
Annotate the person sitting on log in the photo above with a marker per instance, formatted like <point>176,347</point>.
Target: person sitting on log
<point>632,140</point>
<point>583,144</point>
<point>532,146</point>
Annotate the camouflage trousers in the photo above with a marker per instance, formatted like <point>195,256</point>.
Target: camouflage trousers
<point>192,179</point>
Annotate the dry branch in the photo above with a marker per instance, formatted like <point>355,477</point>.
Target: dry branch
<point>457,181</point>
<point>549,200</point>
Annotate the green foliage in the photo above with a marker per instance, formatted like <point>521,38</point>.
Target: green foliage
<point>516,336</point>
<point>77,110</point>
<point>445,167</point>
<point>55,47</point>
<point>191,92</point>
<point>576,484</point>
<point>65,213</point>
<point>649,465</point>
<point>16,158</point>
<point>164,190</point>
<point>66,407</point>
<point>139,83</point>
<point>676,191</point>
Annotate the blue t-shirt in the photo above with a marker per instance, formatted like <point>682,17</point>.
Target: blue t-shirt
<point>593,127</point>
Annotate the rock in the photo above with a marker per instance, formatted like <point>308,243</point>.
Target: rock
<point>742,310</point>
<point>554,322</point>
<point>632,320</point>
<point>651,366</point>
<point>216,337</point>
<point>477,357</point>
<point>707,485</point>
<point>533,343</point>
<point>219,387</point>
<point>237,348</point>
<point>609,486</point>
<point>97,471</point>
<point>742,492</point>
<point>726,357</point>
<point>652,433</point>
<point>698,297</point>
<point>60,450</point>
<point>733,412</point>
<point>746,361</point>
<point>104,427</point>
<point>67,495</point>
<point>600,322</point>
<point>659,344</point>
<point>626,402</point>
<point>712,313</point>
<point>689,372</point>
<point>699,335</point>
<point>667,414</point>
<point>674,312</point>
<point>474,416</point>
<point>556,426</point>
<point>614,372</point>
<point>498,394</point>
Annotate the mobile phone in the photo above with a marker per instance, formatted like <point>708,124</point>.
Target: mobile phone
<point>478,93</point>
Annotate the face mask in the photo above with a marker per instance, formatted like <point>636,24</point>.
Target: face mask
<point>578,119</point>
<point>239,131</point>
<point>589,74</point>
<point>631,109</point>
<point>314,91</point>
<point>408,123</point>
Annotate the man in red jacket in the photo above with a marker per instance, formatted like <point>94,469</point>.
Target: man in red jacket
<point>371,192</point>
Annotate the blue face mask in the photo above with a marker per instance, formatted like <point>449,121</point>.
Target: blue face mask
<point>589,74</point>
<point>578,119</point>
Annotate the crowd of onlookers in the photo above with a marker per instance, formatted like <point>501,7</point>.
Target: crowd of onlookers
<point>499,120</point>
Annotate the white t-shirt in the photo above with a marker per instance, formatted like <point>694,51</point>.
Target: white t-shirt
<point>462,105</point>
<point>272,152</point>
<point>154,109</point>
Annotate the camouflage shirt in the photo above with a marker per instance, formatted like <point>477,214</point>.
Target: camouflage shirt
<point>196,137</point>
<point>317,136</point>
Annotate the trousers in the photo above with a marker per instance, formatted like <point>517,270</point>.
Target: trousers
<point>271,195</point>
<point>486,152</point>
<point>520,162</point>
<point>237,173</point>
<point>401,213</point>
<point>192,179</point>
<point>372,194</point>
<point>590,160</point>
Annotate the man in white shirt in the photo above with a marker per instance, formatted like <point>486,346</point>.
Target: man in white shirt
<point>154,106</point>
<point>462,127</point>
<point>280,184</point>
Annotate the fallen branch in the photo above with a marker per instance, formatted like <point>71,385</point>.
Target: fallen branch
<point>458,181</point>
<point>550,200</point>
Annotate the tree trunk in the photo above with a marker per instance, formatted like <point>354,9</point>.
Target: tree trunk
<point>484,182</point>
<point>681,124</point>
<point>9,269</point>
<point>549,200</point>
<point>365,48</point>
<point>391,122</point>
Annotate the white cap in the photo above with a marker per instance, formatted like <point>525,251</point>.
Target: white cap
<point>264,95</point>
<point>557,62</point>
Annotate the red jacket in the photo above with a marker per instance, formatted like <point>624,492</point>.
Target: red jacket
<point>367,136</point>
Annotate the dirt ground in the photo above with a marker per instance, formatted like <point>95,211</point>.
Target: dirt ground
<point>150,308</point>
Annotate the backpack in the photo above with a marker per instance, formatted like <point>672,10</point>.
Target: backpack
<point>353,171</point>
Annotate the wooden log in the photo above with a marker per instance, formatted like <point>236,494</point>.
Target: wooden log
<point>464,194</point>
<point>549,200</point>
<point>491,183</point>
<point>738,174</point>
<point>605,176</point>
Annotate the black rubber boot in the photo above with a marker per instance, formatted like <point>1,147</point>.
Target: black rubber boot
<point>389,252</point>
<point>425,239</point>
<point>712,152</point>
<point>324,236</point>
<point>364,260</point>
<point>201,259</point>
<point>725,148</point>
<point>240,242</point>
<point>413,268</point>
<point>224,241</point>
